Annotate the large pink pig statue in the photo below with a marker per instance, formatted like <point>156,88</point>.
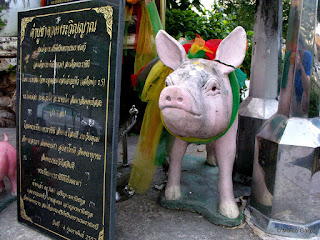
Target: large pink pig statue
<point>197,103</point>
<point>8,165</point>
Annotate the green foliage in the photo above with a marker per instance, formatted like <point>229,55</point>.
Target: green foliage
<point>12,69</point>
<point>186,18</point>
<point>183,4</point>
<point>244,10</point>
<point>285,17</point>
<point>314,101</point>
<point>220,23</point>
<point>187,23</point>
<point>184,23</point>
<point>2,23</point>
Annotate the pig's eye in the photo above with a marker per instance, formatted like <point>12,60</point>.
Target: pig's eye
<point>212,87</point>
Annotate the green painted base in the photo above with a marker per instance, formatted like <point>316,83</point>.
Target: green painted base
<point>199,192</point>
<point>6,199</point>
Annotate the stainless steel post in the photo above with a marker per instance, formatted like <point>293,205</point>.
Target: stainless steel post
<point>285,198</point>
<point>261,103</point>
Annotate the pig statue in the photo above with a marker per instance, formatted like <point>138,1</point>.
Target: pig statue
<point>8,165</point>
<point>197,103</point>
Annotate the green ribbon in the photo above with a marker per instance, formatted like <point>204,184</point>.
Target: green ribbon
<point>154,17</point>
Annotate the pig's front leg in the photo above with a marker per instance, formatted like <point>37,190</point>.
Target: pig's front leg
<point>225,151</point>
<point>173,191</point>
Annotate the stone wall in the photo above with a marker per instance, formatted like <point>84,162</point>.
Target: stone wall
<point>8,62</point>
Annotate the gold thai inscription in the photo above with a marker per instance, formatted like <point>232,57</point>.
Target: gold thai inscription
<point>72,29</point>
<point>52,205</point>
<point>63,48</point>
<point>58,162</point>
<point>67,148</point>
<point>72,64</point>
<point>60,176</point>
<point>65,81</point>
<point>66,99</point>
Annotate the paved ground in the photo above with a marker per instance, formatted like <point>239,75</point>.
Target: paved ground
<point>140,217</point>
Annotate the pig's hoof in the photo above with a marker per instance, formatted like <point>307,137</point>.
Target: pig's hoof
<point>229,209</point>
<point>172,193</point>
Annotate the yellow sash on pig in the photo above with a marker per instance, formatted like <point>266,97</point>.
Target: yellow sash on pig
<point>143,168</point>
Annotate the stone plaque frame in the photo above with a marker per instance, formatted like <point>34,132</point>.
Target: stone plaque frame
<point>68,93</point>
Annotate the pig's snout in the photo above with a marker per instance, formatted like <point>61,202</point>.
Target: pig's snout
<point>173,96</point>
<point>179,110</point>
<point>176,97</point>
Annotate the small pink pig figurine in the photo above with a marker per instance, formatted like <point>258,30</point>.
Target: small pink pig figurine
<point>8,165</point>
<point>197,103</point>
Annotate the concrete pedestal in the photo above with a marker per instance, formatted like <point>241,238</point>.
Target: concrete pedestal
<point>199,191</point>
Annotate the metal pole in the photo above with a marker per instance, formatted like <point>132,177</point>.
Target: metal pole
<point>125,151</point>
<point>163,13</point>
<point>261,103</point>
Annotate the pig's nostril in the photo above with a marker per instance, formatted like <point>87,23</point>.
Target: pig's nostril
<point>180,99</point>
<point>168,98</point>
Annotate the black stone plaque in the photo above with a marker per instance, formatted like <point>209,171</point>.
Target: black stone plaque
<point>69,62</point>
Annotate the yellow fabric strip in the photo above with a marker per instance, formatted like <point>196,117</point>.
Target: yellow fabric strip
<point>146,49</point>
<point>199,45</point>
<point>143,168</point>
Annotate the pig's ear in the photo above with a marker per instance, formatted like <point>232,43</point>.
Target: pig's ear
<point>170,51</point>
<point>232,50</point>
